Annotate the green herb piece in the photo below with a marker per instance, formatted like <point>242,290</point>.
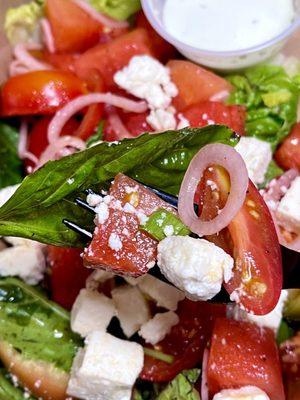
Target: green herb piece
<point>291,309</point>
<point>38,328</point>
<point>273,171</point>
<point>8,391</point>
<point>284,332</point>
<point>118,9</point>
<point>45,198</point>
<point>271,98</point>
<point>97,137</point>
<point>182,387</point>
<point>163,223</point>
<point>159,355</point>
<point>11,165</point>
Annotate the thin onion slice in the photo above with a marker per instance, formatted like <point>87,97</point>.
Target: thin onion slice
<point>22,145</point>
<point>103,19</point>
<point>65,113</point>
<point>204,386</point>
<point>118,127</point>
<point>220,96</point>
<point>48,36</point>
<point>230,159</point>
<point>21,53</point>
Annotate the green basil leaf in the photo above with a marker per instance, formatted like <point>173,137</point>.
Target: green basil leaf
<point>92,140</point>
<point>11,165</point>
<point>182,387</point>
<point>8,391</point>
<point>44,198</point>
<point>38,328</point>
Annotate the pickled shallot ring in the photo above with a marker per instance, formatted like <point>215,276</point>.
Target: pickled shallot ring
<point>66,112</point>
<point>230,159</point>
<point>204,386</point>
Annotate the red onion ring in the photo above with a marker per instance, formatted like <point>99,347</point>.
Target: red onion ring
<point>230,159</point>
<point>204,386</point>
<point>22,145</point>
<point>65,113</point>
<point>220,96</point>
<point>103,19</point>
<point>48,36</point>
<point>22,55</point>
<point>118,127</point>
<point>17,68</point>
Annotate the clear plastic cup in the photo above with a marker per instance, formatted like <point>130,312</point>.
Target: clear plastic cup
<point>221,60</point>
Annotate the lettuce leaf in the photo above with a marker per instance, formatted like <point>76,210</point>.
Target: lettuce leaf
<point>8,390</point>
<point>118,9</point>
<point>38,328</point>
<point>37,208</point>
<point>271,98</point>
<point>182,387</point>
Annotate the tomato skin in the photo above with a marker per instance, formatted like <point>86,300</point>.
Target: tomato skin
<point>39,92</point>
<point>288,153</point>
<point>68,275</point>
<point>72,28</point>
<point>110,57</point>
<point>137,123</point>
<point>195,84</point>
<point>204,113</point>
<point>243,354</point>
<point>61,61</point>
<point>186,341</point>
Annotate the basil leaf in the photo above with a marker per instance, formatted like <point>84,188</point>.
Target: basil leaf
<point>44,198</point>
<point>284,332</point>
<point>182,387</point>
<point>38,328</point>
<point>11,165</point>
<point>8,390</point>
<point>92,140</point>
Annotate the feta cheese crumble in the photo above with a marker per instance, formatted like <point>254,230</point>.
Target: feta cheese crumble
<point>91,311</point>
<point>102,213</point>
<point>288,211</point>
<point>244,393</point>
<point>158,327</point>
<point>162,119</point>
<point>132,308</point>
<point>106,368</point>
<point>115,242</point>
<point>196,266</point>
<point>257,155</point>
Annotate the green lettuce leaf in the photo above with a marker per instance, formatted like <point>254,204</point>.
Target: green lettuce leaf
<point>21,23</point>
<point>273,171</point>
<point>118,9</point>
<point>291,309</point>
<point>8,391</point>
<point>38,328</point>
<point>284,332</point>
<point>45,197</point>
<point>182,387</point>
<point>271,98</point>
<point>11,165</point>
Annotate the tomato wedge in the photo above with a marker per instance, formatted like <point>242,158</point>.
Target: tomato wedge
<point>243,354</point>
<point>108,58</point>
<point>61,61</point>
<point>39,92</point>
<point>212,112</point>
<point>73,29</point>
<point>186,341</point>
<point>288,153</point>
<point>195,84</point>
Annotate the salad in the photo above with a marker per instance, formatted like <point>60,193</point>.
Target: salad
<point>150,215</point>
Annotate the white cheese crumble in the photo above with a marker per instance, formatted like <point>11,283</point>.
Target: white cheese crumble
<point>162,119</point>
<point>183,122</point>
<point>93,199</point>
<point>106,368</point>
<point>196,266</point>
<point>91,311</point>
<point>244,393</point>
<point>158,327</point>
<point>102,213</point>
<point>132,308</point>
<point>115,242</point>
<point>169,230</point>
<point>288,211</point>
<point>257,155</point>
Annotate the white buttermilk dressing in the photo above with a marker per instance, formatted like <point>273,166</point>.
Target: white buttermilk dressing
<point>223,25</point>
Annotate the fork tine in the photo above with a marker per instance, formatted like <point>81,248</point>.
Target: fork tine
<point>83,204</point>
<point>78,229</point>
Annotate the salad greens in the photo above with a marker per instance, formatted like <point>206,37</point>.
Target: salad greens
<point>118,9</point>
<point>291,309</point>
<point>273,171</point>
<point>182,387</point>
<point>8,390</point>
<point>38,328</point>
<point>271,98</point>
<point>37,208</point>
<point>11,165</point>
<point>284,332</point>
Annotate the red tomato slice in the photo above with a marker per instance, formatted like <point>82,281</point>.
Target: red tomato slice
<point>63,62</point>
<point>243,354</point>
<point>68,275</point>
<point>72,28</point>
<point>186,341</point>
<point>162,50</point>
<point>288,153</point>
<point>110,57</point>
<point>39,92</point>
<point>136,123</point>
<point>138,249</point>
<point>195,84</point>
<point>209,112</point>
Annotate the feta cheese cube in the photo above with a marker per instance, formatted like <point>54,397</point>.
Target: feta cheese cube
<point>132,308</point>
<point>244,393</point>
<point>158,327</point>
<point>288,211</point>
<point>196,266</point>
<point>106,369</point>
<point>163,294</point>
<point>91,311</point>
<point>26,262</point>
<point>257,155</point>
